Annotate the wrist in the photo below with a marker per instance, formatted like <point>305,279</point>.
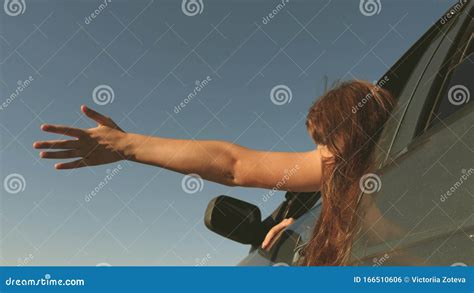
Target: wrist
<point>127,145</point>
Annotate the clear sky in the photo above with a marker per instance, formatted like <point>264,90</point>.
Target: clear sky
<point>151,54</point>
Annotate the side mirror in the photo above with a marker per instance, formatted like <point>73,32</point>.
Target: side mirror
<point>235,219</point>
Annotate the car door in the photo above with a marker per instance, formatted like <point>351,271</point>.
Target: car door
<point>423,211</point>
<point>289,243</point>
<point>305,208</point>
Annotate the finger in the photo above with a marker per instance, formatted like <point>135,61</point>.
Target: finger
<point>56,144</point>
<point>96,116</point>
<point>70,165</point>
<point>60,155</point>
<point>268,238</point>
<point>60,129</point>
<point>273,231</point>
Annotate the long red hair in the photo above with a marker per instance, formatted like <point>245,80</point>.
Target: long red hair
<point>347,120</point>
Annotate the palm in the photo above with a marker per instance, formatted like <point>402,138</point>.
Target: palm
<point>94,146</point>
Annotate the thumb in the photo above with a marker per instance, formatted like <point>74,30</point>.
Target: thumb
<point>96,116</point>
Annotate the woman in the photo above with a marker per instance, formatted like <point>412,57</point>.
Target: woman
<point>344,123</point>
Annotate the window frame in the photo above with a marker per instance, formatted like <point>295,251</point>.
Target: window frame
<point>467,41</point>
<point>405,89</point>
<point>430,84</point>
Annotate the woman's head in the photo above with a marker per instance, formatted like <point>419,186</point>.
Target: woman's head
<point>347,121</point>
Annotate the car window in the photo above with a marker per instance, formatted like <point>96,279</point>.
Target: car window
<point>429,86</point>
<point>457,89</point>
<point>401,81</point>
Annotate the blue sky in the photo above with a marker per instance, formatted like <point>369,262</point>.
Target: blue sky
<point>151,54</point>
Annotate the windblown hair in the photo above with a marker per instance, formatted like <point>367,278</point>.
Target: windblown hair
<point>348,121</point>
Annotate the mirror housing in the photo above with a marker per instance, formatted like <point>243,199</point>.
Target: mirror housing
<point>235,219</point>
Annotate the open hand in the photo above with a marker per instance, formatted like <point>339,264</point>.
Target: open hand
<point>94,146</point>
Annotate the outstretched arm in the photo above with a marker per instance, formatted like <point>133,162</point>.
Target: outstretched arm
<point>217,161</point>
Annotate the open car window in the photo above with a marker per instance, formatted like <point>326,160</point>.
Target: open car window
<point>457,88</point>
<point>401,81</point>
<point>432,81</point>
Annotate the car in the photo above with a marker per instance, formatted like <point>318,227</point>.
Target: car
<point>418,207</point>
